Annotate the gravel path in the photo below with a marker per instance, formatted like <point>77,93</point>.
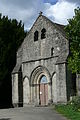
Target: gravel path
<point>30,113</point>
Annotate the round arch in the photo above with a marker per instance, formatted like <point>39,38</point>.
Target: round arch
<point>35,78</point>
<point>37,73</point>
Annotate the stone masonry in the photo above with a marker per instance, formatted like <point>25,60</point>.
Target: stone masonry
<point>43,57</point>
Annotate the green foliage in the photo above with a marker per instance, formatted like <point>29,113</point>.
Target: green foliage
<point>11,36</point>
<point>75,103</point>
<point>71,110</point>
<point>73,34</point>
<point>68,111</point>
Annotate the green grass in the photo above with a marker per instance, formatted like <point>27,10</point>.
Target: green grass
<point>68,111</point>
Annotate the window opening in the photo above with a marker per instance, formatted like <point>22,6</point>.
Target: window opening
<point>43,79</point>
<point>52,51</point>
<point>36,36</point>
<point>43,33</point>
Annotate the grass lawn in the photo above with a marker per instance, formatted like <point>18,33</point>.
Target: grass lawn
<point>68,111</point>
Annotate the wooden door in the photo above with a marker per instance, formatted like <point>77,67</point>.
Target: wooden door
<point>43,94</point>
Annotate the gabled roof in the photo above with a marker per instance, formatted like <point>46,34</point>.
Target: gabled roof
<point>61,58</point>
<point>59,27</point>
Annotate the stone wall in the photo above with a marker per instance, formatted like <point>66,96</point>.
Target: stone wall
<point>33,54</point>
<point>15,99</point>
<point>61,83</point>
<point>78,84</point>
<point>42,48</point>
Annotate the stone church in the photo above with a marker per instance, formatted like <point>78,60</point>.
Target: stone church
<point>41,75</point>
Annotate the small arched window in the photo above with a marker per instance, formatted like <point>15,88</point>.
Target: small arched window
<point>52,51</point>
<point>44,79</point>
<point>43,33</point>
<point>36,36</point>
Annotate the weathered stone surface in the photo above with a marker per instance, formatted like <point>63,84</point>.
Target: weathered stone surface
<point>15,89</point>
<point>78,84</point>
<point>36,61</point>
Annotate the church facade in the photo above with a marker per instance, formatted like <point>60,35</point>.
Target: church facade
<point>41,76</point>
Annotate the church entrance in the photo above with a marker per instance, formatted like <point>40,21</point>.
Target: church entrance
<point>43,94</point>
<point>41,87</point>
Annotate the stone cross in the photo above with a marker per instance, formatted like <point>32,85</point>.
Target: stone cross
<point>40,13</point>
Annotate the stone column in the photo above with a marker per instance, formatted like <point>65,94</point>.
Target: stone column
<point>38,94</point>
<point>15,89</point>
<point>54,89</point>
<point>26,92</point>
<point>78,84</point>
<point>32,95</point>
<point>61,83</point>
<point>49,93</point>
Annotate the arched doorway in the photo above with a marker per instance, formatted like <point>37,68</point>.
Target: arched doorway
<point>40,81</point>
<point>43,91</point>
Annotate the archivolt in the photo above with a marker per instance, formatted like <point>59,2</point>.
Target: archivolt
<point>37,73</point>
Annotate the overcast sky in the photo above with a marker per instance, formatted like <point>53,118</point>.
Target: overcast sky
<point>28,10</point>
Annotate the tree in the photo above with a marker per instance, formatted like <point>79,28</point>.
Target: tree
<point>73,34</point>
<point>11,36</point>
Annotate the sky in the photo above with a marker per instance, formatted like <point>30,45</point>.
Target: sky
<point>28,10</point>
